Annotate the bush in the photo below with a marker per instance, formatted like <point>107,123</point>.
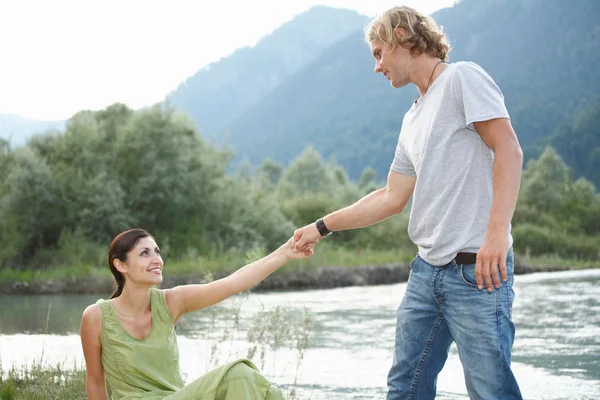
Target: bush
<point>537,240</point>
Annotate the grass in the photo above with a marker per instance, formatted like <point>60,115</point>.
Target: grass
<point>74,272</point>
<point>42,382</point>
<point>558,261</point>
<point>194,263</point>
<point>325,255</point>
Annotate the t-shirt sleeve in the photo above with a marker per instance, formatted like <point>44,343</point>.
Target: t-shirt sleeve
<point>401,162</point>
<point>480,96</point>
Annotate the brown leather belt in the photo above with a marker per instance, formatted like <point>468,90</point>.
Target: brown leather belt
<point>466,258</point>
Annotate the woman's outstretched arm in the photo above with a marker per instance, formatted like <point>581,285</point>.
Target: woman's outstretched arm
<point>187,298</point>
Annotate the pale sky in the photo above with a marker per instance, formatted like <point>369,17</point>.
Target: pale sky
<point>60,56</point>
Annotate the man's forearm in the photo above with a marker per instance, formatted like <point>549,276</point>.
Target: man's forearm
<point>374,207</point>
<point>508,164</point>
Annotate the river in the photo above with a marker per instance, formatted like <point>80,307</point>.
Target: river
<point>556,353</point>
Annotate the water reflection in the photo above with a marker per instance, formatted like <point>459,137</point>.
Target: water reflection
<point>28,314</point>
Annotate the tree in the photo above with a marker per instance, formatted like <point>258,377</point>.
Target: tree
<point>29,207</point>
<point>545,182</point>
<point>270,172</point>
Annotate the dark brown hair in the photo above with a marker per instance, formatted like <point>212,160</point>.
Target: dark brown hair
<point>120,246</point>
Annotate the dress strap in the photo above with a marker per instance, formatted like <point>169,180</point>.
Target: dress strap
<point>110,323</point>
<point>104,309</point>
<point>159,305</point>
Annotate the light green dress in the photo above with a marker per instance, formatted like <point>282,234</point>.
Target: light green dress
<point>148,369</point>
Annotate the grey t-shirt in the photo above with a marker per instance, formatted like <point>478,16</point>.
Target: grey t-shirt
<point>440,146</point>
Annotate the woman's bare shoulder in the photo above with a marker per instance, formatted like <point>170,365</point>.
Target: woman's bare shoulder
<point>91,319</point>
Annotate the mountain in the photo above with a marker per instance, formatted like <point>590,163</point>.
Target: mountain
<point>226,89</point>
<point>546,70</point>
<point>17,129</point>
<point>578,143</point>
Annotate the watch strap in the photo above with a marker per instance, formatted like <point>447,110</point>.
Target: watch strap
<point>322,228</point>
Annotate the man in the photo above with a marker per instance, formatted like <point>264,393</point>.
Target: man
<point>460,160</point>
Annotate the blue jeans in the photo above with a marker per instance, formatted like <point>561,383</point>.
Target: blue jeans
<point>442,305</point>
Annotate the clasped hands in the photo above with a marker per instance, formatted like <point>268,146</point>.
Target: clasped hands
<point>305,239</point>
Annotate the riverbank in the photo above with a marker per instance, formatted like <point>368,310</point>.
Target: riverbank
<point>301,278</point>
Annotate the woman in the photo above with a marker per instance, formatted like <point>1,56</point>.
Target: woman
<point>129,342</point>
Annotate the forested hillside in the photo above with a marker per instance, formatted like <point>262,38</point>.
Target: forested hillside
<point>542,53</point>
<point>224,90</point>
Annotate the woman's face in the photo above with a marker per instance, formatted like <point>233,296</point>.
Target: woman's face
<point>144,264</point>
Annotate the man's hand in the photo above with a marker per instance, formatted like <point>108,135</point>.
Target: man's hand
<point>493,253</point>
<point>305,237</point>
<point>291,253</point>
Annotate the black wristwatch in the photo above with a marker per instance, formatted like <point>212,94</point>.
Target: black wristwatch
<point>322,228</point>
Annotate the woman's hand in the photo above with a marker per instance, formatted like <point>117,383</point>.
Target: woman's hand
<point>291,254</point>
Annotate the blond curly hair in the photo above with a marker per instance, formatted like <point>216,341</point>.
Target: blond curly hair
<point>422,35</point>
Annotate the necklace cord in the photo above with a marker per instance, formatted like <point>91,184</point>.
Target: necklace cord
<point>431,77</point>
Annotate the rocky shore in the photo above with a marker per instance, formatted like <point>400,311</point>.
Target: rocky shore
<point>285,280</point>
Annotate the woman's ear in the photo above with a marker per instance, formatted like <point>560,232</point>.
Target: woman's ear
<point>119,265</point>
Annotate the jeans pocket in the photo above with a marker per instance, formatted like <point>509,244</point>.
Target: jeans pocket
<point>467,273</point>
<point>412,262</point>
